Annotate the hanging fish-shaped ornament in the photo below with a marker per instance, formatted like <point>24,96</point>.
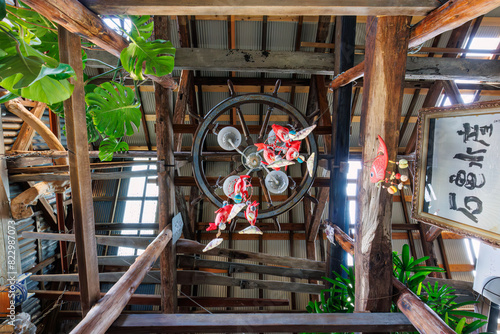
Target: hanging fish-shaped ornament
<point>251,215</point>
<point>330,234</point>
<point>379,165</point>
<point>310,164</point>
<point>282,133</point>
<point>212,244</point>
<point>221,218</point>
<point>240,192</point>
<point>302,134</point>
<point>269,155</point>
<point>281,163</point>
<point>235,210</point>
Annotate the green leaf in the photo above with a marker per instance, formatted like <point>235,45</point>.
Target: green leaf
<point>460,326</point>
<point>7,97</point>
<point>114,109</point>
<point>30,20</point>
<point>3,12</point>
<point>28,68</point>
<point>141,27</point>
<point>109,146</point>
<point>157,56</point>
<point>92,132</point>
<point>46,89</point>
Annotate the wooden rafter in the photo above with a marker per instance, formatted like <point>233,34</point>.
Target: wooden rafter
<point>447,17</point>
<point>260,7</point>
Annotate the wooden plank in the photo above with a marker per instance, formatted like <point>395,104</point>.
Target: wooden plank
<point>187,262</point>
<point>302,62</point>
<point>447,17</point>
<point>193,277</point>
<point>81,185</point>
<point>141,299</point>
<point>166,197</point>
<point>102,315</point>
<point>264,323</point>
<point>386,41</point>
<point>193,247</point>
<point>26,134</point>
<point>261,7</point>
<point>76,18</point>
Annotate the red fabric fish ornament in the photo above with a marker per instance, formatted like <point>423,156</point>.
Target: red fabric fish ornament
<point>269,155</point>
<point>293,152</point>
<point>221,218</point>
<point>281,133</point>
<point>379,165</point>
<point>251,215</point>
<point>240,189</point>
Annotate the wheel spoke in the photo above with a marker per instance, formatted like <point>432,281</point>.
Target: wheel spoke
<point>263,129</point>
<point>245,127</point>
<point>267,194</point>
<point>238,170</point>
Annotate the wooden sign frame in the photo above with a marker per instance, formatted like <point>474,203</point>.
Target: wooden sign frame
<point>455,159</point>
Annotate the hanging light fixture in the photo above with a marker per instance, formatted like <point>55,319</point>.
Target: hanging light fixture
<point>228,186</point>
<point>276,182</point>
<point>229,138</point>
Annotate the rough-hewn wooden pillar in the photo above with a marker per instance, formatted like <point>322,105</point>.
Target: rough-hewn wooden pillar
<point>166,194</point>
<point>79,172</point>
<point>386,47</point>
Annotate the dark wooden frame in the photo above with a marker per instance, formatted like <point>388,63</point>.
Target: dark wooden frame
<point>479,108</point>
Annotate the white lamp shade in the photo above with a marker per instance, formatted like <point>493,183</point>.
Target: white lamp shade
<point>228,186</point>
<point>276,182</point>
<point>229,135</point>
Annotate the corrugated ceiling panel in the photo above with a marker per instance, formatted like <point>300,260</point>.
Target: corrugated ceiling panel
<point>281,35</point>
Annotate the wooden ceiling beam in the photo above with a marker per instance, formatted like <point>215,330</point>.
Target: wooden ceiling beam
<point>261,7</point>
<point>447,17</point>
<point>320,63</point>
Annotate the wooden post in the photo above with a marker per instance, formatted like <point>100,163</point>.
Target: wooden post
<point>166,197</point>
<point>102,315</point>
<point>421,316</point>
<point>81,187</point>
<point>386,46</point>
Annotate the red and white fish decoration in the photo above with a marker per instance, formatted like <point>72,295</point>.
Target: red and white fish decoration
<point>281,133</point>
<point>240,193</point>
<point>276,165</point>
<point>221,218</point>
<point>293,152</point>
<point>269,155</point>
<point>379,165</point>
<point>251,215</point>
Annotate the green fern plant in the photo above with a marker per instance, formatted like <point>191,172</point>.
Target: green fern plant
<point>340,297</point>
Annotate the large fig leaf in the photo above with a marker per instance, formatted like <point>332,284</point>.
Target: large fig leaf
<point>31,20</point>
<point>28,69</point>
<point>109,146</point>
<point>157,57</point>
<point>114,109</point>
<point>92,132</point>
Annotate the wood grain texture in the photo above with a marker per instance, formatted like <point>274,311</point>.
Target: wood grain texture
<point>262,7</point>
<point>193,247</point>
<point>143,299</point>
<point>447,17</point>
<point>79,169</point>
<point>386,45</point>
<point>109,307</point>
<point>26,134</point>
<point>166,190</point>
<point>263,323</point>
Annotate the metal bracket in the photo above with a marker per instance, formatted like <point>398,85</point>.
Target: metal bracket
<point>161,166</point>
<point>244,284</point>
